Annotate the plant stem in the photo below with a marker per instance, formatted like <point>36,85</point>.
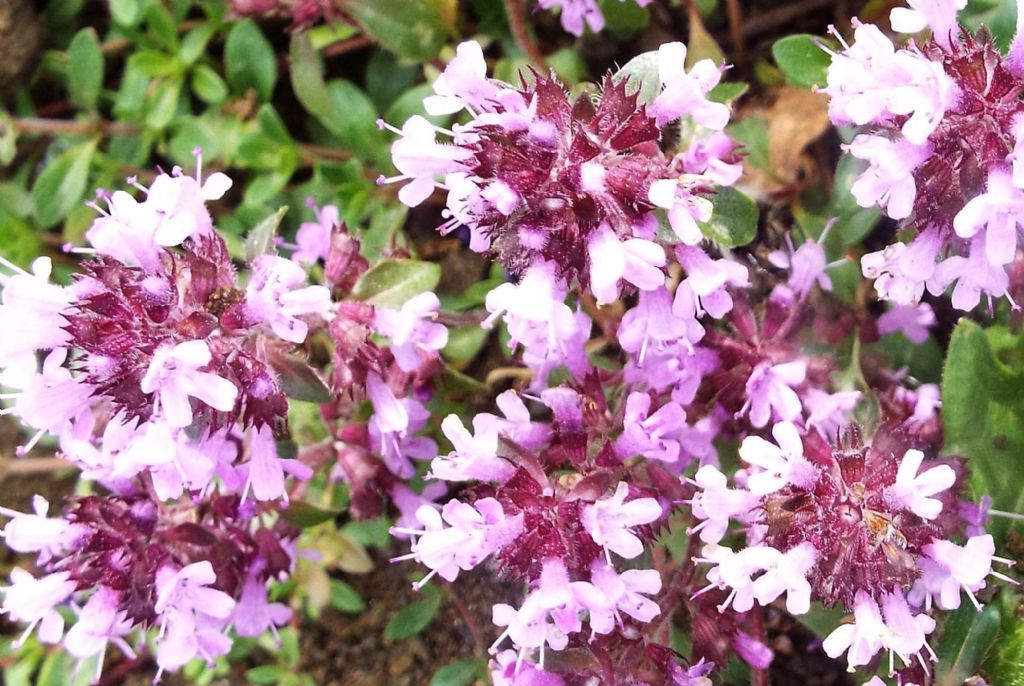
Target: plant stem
<point>517,22</point>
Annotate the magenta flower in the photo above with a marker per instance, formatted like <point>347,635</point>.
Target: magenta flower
<point>100,621</point>
<point>715,503</point>
<point>651,434</point>
<point>575,13</point>
<point>32,600</point>
<point>174,376</point>
<point>413,333</point>
<point>913,321</point>
<point>781,464</point>
<point>253,614</point>
<point>35,308</point>
<point>274,296</point>
<point>609,521</point>
<point>623,593</point>
<point>463,84</point>
<point>684,93</point>
<point>862,639</point>
<point>634,260</point>
<point>999,211</point>
<point>475,458</point>
<point>913,491</point>
<point>473,533</point>
<point>314,238</point>
<point>770,393</point>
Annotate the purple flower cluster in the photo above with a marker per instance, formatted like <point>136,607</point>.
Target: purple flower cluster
<point>944,125</point>
<point>158,381</point>
<point>569,196</point>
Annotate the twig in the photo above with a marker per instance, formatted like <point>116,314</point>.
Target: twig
<point>479,645</point>
<point>32,465</point>
<point>759,677</point>
<point>763,23</point>
<point>517,22</point>
<point>739,43</point>
<point>345,46</point>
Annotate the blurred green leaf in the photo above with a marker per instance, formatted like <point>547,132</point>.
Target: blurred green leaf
<point>752,132</point>
<point>387,80</point>
<point>624,18</point>
<point>304,515</point>
<point>1005,665</point>
<point>391,282</point>
<point>162,27</point>
<point>414,618</point>
<point>85,69</point>
<point>249,59</point>
<point>193,45</point>
<point>19,241</point>
<point>163,104</point>
<point>353,121</point>
<point>260,240</point>
<point>298,380</point>
<point>344,598</point>
<point>966,637</point>
<point>983,412</point>
<point>126,12</point>
<point>265,675</point>
<point>460,673</point>
<point>802,60</point>
<point>734,222</point>
<point>208,85</point>
<point>414,29</point>
<point>464,343</point>
<point>61,184</point>
<point>308,79</point>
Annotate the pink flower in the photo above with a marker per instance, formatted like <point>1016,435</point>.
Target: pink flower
<point>999,210</point>
<point>623,593</point>
<point>548,614</point>
<point>715,503</point>
<point>33,307</point>
<point>635,260</point>
<point>473,532</point>
<point>314,238</point>
<point>862,639</point>
<point>273,296</point>
<point>393,426</point>
<point>770,392</point>
<point>33,600</point>
<point>653,435</point>
<point>889,180</point>
<point>913,491</point>
<point>254,614</point>
<point>807,265</point>
<point>413,333</point>
<point>913,321</point>
<point>609,521</point>
<point>509,669</point>
<point>420,159</point>
<point>828,412</point>
<point>973,274</point>
<point>651,325</point>
<point>939,15</point>
<point>37,533</point>
<point>463,83</point>
<point>705,288</point>
<point>475,458</point>
<point>950,569</point>
<point>685,210</point>
<point>575,13</point>
<point>99,623</point>
<point>782,464</point>
<point>190,614</point>
<point>683,93</point>
<point>787,573</point>
<point>901,271</point>
<point>173,375</point>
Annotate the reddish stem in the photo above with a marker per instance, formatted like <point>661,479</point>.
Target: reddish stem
<point>517,22</point>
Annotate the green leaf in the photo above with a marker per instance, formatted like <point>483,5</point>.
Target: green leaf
<point>642,72</point>
<point>126,12</point>
<point>265,675</point>
<point>801,59</point>
<point>414,618</point>
<point>983,412</point>
<point>966,638</point>
<point>164,103</point>
<point>460,673</point>
<point>727,91</point>
<point>464,342</point>
<point>308,79</point>
<point>298,380</point>
<point>249,59</point>
<point>260,240</point>
<point>61,185</point>
<point>353,119</point>
<point>85,69</point>
<point>624,18</point>
<point>344,598</point>
<point>391,282</point>
<point>304,515</point>
<point>193,45</point>
<point>208,85</point>
<point>734,222</point>
<point>414,29</point>
<point>162,26</point>
<point>1006,665</point>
